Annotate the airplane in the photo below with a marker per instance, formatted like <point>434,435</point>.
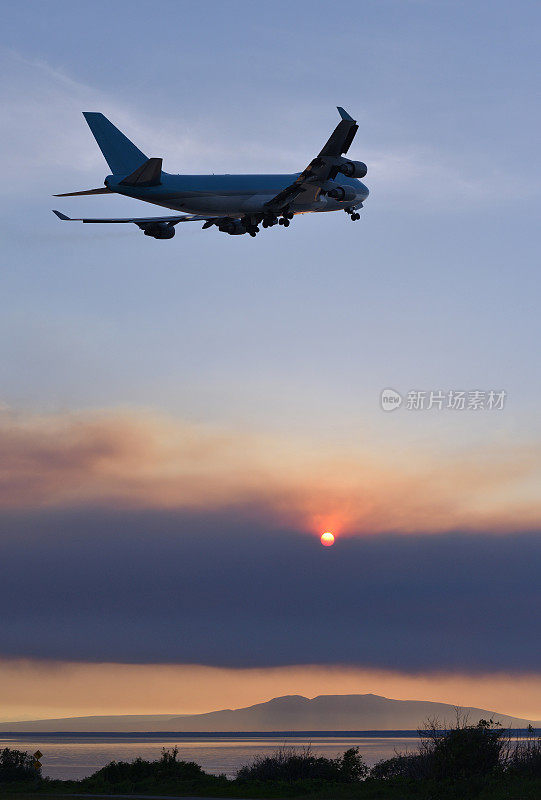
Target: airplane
<point>235,204</point>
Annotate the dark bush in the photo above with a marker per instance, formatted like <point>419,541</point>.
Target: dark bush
<point>352,766</point>
<point>414,766</point>
<point>166,769</point>
<point>17,766</point>
<point>463,752</point>
<point>466,751</point>
<point>293,765</point>
<point>525,757</point>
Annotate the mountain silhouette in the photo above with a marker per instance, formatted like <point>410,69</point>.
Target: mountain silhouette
<point>356,712</point>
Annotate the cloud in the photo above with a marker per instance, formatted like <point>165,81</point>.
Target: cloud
<point>131,537</point>
<point>230,589</point>
<point>141,460</point>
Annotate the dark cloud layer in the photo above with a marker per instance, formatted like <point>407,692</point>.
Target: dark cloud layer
<point>225,590</point>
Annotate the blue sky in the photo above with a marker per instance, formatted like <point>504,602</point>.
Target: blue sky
<point>214,375</point>
<point>435,286</point>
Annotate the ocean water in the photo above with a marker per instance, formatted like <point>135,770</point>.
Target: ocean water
<point>77,756</point>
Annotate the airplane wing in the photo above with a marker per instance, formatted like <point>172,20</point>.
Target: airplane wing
<point>136,220</point>
<point>319,169</point>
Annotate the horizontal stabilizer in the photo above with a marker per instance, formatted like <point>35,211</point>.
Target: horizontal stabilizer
<point>105,190</point>
<point>148,174</point>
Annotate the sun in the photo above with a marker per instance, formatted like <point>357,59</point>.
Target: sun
<point>327,539</point>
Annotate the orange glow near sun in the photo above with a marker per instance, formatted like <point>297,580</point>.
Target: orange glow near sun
<point>327,539</point>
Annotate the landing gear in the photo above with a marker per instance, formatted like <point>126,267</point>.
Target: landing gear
<point>286,218</point>
<point>250,224</point>
<point>269,221</point>
<point>353,214</point>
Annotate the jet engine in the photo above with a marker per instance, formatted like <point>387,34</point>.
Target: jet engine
<point>343,194</point>
<point>159,230</point>
<point>353,169</point>
<point>233,227</point>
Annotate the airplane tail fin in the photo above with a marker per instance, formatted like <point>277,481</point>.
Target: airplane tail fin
<point>122,155</point>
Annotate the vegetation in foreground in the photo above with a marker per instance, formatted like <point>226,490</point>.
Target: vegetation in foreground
<point>466,762</point>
